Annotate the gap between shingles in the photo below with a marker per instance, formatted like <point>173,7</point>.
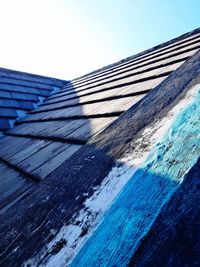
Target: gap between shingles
<point>25,80</point>
<point>116,86</point>
<point>24,92</point>
<point>145,64</point>
<point>32,177</point>
<point>76,117</point>
<point>129,75</point>
<point>91,101</point>
<point>25,85</point>
<point>133,60</point>
<point>74,141</point>
<point>19,99</point>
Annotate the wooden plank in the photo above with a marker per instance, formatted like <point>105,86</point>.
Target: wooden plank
<point>58,199</point>
<point>78,88</point>
<point>48,128</point>
<point>90,128</point>
<point>82,96</point>
<point>133,70</point>
<point>28,151</point>
<point>182,248</point>
<point>108,93</point>
<point>28,77</point>
<point>12,185</point>
<point>53,163</point>
<point>41,157</point>
<point>22,83</point>
<point>8,113</point>
<point>86,110</point>
<point>141,200</point>
<point>110,84</point>
<point>145,57</point>
<point>8,149</point>
<point>20,89</point>
<point>79,129</point>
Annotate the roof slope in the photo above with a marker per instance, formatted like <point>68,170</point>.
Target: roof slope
<point>21,92</point>
<point>99,116</point>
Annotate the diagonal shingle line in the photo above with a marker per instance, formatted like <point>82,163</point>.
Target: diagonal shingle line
<point>152,51</point>
<point>32,177</point>
<point>75,141</point>
<point>122,85</point>
<point>92,101</point>
<point>133,63</point>
<point>57,94</point>
<point>116,79</point>
<point>75,117</point>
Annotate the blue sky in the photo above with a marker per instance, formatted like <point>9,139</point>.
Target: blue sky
<point>68,38</point>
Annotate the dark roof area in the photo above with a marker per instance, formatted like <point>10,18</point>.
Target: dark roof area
<point>21,92</point>
<point>46,158</point>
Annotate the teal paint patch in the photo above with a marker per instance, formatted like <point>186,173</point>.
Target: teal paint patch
<point>135,209</point>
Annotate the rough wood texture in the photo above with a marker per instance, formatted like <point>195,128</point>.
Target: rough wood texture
<point>55,202</point>
<point>137,206</point>
<point>12,185</point>
<point>166,93</point>
<point>20,92</point>
<point>152,51</point>
<point>174,235</point>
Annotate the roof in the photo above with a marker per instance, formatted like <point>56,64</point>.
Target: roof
<point>58,158</point>
<point>21,92</point>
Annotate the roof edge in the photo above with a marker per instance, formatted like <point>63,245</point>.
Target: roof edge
<point>85,169</point>
<point>34,75</point>
<point>188,34</point>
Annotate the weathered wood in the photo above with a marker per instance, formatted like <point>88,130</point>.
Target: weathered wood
<point>27,152</point>
<point>28,77</point>
<point>174,235</point>
<point>96,108</point>
<point>156,64</point>
<point>47,168</point>
<point>51,205</point>
<point>22,83</point>
<point>161,56</point>
<point>82,96</point>
<point>111,83</point>
<point>137,206</point>
<point>168,60</point>
<point>42,156</point>
<point>8,149</point>
<point>164,94</point>
<point>48,128</point>
<point>145,54</point>
<point>76,129</point>
<point>12,185</point>
<point>21,89</point>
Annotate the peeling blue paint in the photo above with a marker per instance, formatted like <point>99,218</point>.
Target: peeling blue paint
<point>135,209</point>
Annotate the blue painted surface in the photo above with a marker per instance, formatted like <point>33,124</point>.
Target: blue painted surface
<point>137,206</point>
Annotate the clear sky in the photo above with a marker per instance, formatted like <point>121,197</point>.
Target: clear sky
<point>68,38</point>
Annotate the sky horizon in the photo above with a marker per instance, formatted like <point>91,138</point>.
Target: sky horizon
<point>69,38</point>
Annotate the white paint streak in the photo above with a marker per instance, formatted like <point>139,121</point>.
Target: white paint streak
<point>85,222</point>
